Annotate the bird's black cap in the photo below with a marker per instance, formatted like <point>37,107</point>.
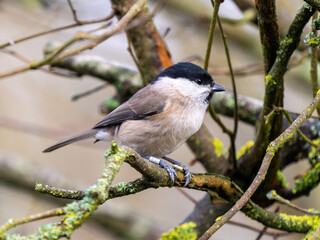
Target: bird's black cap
<point>186,70</point>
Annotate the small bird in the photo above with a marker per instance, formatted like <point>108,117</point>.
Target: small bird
<point>159,117</point>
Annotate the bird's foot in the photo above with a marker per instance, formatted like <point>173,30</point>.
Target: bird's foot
<point>187,174</point>
<point>172,173</point>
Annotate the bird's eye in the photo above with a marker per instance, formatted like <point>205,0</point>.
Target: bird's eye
<point>199,81</point>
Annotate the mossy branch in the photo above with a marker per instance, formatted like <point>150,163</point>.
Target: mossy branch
<point>77,213</point>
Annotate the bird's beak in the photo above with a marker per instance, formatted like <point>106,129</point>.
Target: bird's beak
<point>218,88</point>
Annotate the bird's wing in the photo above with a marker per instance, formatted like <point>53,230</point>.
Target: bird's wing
<point>143,104</point>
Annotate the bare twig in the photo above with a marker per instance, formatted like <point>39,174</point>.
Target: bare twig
<point>135,60</point>
<point>77,96</point>
<point>216,6</point>
<point>218,120</point>
<point>47,59</point>
<point>235,109</point>
<point>188,196</point>
<point>79,23</point>
<point>314,63</point>
<point>74,13</point>
<point>304,137</point>
<point>44,69</point>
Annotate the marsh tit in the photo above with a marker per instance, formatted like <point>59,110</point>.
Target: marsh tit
<point>159,117</point>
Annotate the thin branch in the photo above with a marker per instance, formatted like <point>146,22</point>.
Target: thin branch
<point>239,224</point>
<point>19,221</point>
<point>272,195</point>
<point>218,120</point>
<point>47,59</point>
<point>60,192</point>
<point>74,13</point>
<point>188,196</point>
<point>304,137</point>
<point>79,23</point>
<point>211,32</point>
<point>314,64</point>
<point>135,60</point>
<point>248,69</point>
<point>271,151</point>
<point>235,110</point>
<point>47,70</point>
<point>77,96</point>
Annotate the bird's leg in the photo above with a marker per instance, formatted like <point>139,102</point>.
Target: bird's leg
<point>172,173</point>
<point>187,174</point>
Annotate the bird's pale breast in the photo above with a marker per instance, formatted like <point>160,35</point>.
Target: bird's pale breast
<point>162,133</point>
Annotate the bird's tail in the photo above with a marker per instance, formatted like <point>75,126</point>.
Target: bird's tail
<point>78,137</point>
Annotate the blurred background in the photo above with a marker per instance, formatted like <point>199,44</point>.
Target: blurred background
<point>37,110</point>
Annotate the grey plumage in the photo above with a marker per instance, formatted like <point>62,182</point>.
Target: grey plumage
<point>75,138</point>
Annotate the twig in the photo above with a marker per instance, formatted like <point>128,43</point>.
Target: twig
<point>218,120</point>
<point>211,32</point>
<point>265,228</point>
<point>235,109</point>
<point>314,64</point>
<point>47,59</point>
<point>239,224</point>
<point>74,13</point>
<point>19,221</point>
<point>272,195</point>
<point>304,137</point>
<point>262,232</point>
<point>47,70</point>
<point>135,60</point>
<point>79,23</point>
<point>271,151</point>
<point>77,96</point>
<point>59,192</point>
<point>188,196</point>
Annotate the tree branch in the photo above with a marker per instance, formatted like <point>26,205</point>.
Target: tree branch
<point>271,151</point>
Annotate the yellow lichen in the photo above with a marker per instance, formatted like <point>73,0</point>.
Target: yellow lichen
<point>268,78</point>
<point>244,149</point>
<point>218,218</point>
<point>219,147</point>
<point>185,231</point>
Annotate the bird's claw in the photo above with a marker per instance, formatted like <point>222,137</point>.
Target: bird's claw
<point>172,173</point>
<point>187,174</point>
